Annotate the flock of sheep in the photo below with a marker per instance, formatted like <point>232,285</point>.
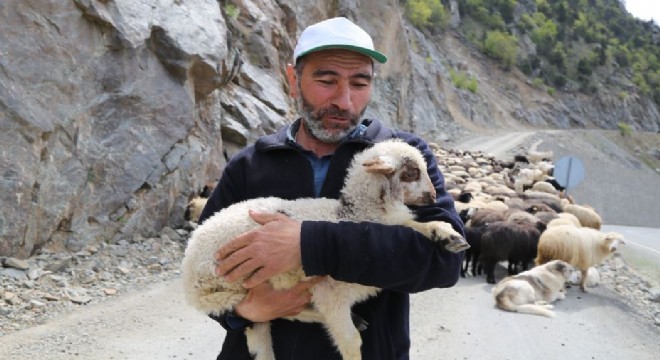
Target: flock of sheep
<point>515,211</point>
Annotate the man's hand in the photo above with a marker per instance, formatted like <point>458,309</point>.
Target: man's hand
<point>259,254</point>
<point>263,303</point>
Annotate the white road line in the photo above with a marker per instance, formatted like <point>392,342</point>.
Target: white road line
<point>630,242</point>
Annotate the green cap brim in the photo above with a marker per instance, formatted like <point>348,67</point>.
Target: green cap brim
<point>371,53</point>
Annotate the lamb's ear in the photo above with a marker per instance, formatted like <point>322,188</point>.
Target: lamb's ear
<point>380,165</point>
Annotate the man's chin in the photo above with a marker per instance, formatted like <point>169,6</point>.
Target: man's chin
<point>332,135</point>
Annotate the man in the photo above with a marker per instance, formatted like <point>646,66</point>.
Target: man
<point>331,81</point>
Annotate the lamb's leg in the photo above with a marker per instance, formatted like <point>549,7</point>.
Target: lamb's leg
<point>440,232</point>
<point>260,342</point>
<point>336,308</point>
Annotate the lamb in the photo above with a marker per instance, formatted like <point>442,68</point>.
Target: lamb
<point>579,246</point>
<point>380,182</point>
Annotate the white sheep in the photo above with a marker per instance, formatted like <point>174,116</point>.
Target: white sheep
<point>544,186</point>
<point>579,246</point>
<point>380,182</point>
<point>194,208</point>
<point>588,216</point>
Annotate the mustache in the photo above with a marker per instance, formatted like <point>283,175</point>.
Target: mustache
<point>336,112</point>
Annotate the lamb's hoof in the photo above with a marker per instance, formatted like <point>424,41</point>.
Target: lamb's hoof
<point>455,244</point>
<point>359,323</point>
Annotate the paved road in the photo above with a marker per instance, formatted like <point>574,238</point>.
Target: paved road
<point>642,250</point>
<point>496,146</point>
<point>455,323</point>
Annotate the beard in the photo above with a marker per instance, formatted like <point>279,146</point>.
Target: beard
<point>313,121</point>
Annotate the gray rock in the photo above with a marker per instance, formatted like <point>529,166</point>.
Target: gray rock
<point>35,273</point>
<point>16,263</point>
<point>170,233</point>
<point>654,295</point>
<point>82,300</point>
<point>59,265</point>
<point>13,274</point>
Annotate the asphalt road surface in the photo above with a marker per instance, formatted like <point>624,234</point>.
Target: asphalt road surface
<point>641,251</point>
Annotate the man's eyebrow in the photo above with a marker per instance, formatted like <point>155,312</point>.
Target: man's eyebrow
<point>360,75</point>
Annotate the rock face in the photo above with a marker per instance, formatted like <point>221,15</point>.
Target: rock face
<point>113,113</point>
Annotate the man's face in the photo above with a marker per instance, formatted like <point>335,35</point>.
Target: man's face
<point>333,92</point>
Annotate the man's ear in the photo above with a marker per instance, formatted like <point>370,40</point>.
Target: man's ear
<point>293,80</point>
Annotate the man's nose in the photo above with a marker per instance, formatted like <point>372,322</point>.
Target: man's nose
<point>342,98</point>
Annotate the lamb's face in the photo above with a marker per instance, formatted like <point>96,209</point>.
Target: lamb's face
<point>415,183</point>
<point>407,178</point>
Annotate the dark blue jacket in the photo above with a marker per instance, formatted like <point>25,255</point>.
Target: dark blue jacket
<point>394,258</point>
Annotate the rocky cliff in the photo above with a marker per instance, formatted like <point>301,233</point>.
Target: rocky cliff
<point>113,113</point>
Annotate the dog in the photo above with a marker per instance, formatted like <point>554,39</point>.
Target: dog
<point>532,291</point>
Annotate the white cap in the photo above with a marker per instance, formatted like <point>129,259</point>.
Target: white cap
<point>336,33</point>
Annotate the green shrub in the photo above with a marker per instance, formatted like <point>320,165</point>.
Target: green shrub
<point>458,78</point>
<point>462,81</point>
<point>502,47</point>
<point>232,11</point>
<point>551,91</point>
<point>623,95</point>
<point>472,85</point>
<point>423,13</point>
<point>538,82</point>
<point>624,129</point>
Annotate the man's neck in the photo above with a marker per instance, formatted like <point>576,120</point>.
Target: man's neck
<point>318,147</point>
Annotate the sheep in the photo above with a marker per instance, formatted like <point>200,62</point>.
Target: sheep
<point>565,219</point>
<point>593,277</point>
<point>546,216</point>
<point>527,252</point>
<point>196,205</point>
<point>551,200</point>
<point>587,216</point>
<point>473,231</point>
<point>544,186</point>
<point>579,246</point>
<point>194,208</point>
<point>380,182</point>
<point>508,240</point>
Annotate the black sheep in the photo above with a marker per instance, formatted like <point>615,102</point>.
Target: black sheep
<point>511,241</point>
